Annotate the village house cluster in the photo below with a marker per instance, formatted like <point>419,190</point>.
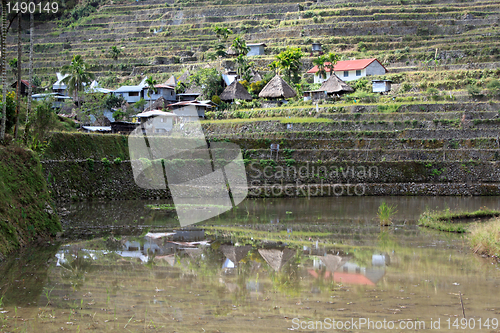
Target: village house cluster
<point>175,107</point>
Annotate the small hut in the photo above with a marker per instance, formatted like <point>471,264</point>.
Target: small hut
<point>235,91</point>
<point>277,258</point>
<point>335,86</point>
<point>277,89</point>
<point>171,82</point>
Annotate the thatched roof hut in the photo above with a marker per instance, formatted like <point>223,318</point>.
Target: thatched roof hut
<point>334,85</point>
<point>171,81</point>
<point>277,88</point>
<point>235,91</point>
<point>185,78</point>
<point>256,77</point>
<point>235,253</point>
<point>277,258</point>
<point>160,104</point>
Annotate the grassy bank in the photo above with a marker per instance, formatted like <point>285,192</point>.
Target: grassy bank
<point>26,210</point>
<point>485,239</point>
<point>459,222</point>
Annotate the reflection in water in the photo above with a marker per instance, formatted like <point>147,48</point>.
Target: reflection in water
<point>238,274</point>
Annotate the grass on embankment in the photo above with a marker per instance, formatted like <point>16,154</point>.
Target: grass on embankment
<point>458,222</point>
<point>485,239</point>
<point>26,210</point>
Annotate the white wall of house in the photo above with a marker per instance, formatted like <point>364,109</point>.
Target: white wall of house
<point>375,68</point>
<point>160,124</point>
<point>255,50</point>
<point>381,86</point>
<point>190,112</point>
<point>168,94</point>
<point>130,96</point>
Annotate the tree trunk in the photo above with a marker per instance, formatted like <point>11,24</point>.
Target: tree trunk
<point>19,56</point>
<point>4,71</point>
<point>30,79</point>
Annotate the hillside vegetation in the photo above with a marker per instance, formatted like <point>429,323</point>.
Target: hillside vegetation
<point>411,36</point>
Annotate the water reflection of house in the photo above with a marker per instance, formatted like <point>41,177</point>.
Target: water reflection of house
<point>234,254</point>
<point>277,258</point>
<point>341,270</point>
<point>162,246</point>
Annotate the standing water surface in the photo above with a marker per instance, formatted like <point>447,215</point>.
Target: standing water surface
<point>269,266</point>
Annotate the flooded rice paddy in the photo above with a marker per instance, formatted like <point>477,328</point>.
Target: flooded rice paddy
<point>319,265</point>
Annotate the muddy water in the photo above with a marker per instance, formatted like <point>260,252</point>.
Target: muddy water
<point>268,266</point>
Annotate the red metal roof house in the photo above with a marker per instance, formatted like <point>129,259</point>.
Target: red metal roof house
<point>349,70</point>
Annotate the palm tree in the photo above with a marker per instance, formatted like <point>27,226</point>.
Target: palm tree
<point>78,75</point>
<point>320,63</point>
<point>222,32</point>
<point>331,60</point>
<point>151,88</point>
<point>240,46</point>
<point>4,70</point>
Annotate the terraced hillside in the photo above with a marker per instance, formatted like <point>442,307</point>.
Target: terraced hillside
<point>447,149</point>
<point>403,34</point>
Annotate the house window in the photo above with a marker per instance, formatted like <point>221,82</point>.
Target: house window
<point>358,72</point>
<point>346,73</point>
<point>133,93</point>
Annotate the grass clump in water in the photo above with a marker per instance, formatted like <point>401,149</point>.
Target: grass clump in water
<point>454,221</point>
<point>385,213</point>
<point>485,238</point>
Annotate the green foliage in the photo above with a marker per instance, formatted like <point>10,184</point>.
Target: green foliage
<point>474,91</point>
<point>240,46</point>
<point>114,52</point>
<point>289,62</point>
<point>432,93</point>
<point>361,97</point>
<point>453,221</point>
<point>117,161</point>
<point>493,88</point>
<point>11,110</point>
<point>222,32</point>
<point>40,124</point>
<point>362,85</point>
<point>385,213</point>
<point>78,74</point>
<point>216,99</point>
<point>210,81</point>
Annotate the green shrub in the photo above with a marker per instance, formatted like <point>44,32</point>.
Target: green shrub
<point>117,161</point>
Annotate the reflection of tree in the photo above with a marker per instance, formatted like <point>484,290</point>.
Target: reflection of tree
<point>75,269</point>
<point>387,242</point>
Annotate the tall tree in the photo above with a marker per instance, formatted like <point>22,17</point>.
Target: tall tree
<point>78,76</point>
<point>4,70</point>
<point>320,63</point>
<point>289,61</point>
<point>151,88</point>
<point>222,33</point>
<point>19,55</point>
<point>240,46</point>
<point>30,78</point>
<point>331,60</point>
